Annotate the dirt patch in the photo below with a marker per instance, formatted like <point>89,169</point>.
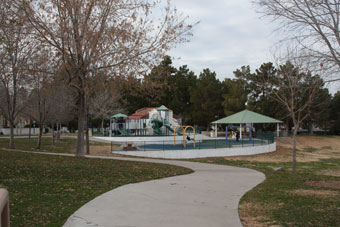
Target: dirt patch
<point>104,150</point>
<point>253,215</point>
<point>335,184</point>
<point>321,193</point>
<point>333,173</point>
<point>310,149</point>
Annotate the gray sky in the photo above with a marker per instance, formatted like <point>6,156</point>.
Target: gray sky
<point>230,34</point>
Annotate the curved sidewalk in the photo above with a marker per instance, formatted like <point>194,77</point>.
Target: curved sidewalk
<point>207,197</point>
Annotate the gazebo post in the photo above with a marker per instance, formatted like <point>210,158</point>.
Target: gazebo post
<point>110,127</point>
<point>277,130</point>
<point>240,131</point>
<point>215,130</point>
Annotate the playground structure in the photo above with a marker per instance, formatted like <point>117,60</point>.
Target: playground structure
<point>158,129</point>
<point>156,122</point>
<point>145,122</point>
<point>185,137</point>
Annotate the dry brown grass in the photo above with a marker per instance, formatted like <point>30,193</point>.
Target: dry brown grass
<point>320,193</point>
<point>333,184</point>
<point>102,150</point>
<point>310,148</point>
<point>333,173</point>
<point>249,214</point>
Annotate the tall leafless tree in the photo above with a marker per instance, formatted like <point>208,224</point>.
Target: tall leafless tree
<point>314,25</point>
<point>295,90</point>
<point>89,35</point>
<point>17,48</point>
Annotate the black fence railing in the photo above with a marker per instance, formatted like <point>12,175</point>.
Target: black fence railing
<point>166,145</point>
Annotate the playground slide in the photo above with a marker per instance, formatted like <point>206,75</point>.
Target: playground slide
<point>157,124</point>
<point>123,132</point>
<point>157,131</point>
<point>168,127</point>
<point>172,130</point>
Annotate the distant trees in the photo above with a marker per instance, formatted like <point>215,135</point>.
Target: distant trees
<point>181,85</point>
<point>334,114</point>
<point>206,99</point>
<point>235,95</point>
<point>104,101</point>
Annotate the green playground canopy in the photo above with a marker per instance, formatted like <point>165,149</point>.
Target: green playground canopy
<point>116,116</point>
<point>246,116</point>
<point>163,108</point>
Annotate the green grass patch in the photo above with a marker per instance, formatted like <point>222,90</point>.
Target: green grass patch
<point>310,149</point>
<point>45,190</point>
<point>64,145</point>
<point>276,198</point>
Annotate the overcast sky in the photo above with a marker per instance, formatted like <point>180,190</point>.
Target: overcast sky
<point>230,34</point>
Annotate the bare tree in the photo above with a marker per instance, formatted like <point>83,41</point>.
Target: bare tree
<point>295,90</point>
<point>63,106</point>
<point>314,25</point>
<point>16,50</point>
<point>90,35</point>
<point>38,105</point>
<point>103,104</point>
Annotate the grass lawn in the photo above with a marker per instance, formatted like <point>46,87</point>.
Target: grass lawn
<point>309,198</point>
<point>45,190</point>
<point>65,145</point>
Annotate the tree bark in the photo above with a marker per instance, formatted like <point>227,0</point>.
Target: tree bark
<point>11,140</point>
<point>29,131</point>
<point>294,147</point>
<point>53,135</point>
<point>81,116</point>
<point>87,121</point>
<point>102,129</point>
<point>41,128</point>
<point>310,128</point>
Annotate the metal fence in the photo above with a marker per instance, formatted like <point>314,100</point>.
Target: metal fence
<point>166,145</point>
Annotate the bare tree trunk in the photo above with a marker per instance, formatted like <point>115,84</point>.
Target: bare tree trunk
<point>81,114</point>
<point>41,128</point>
<point>11,140</point>
<point>53,135</point>
<point>294,147</point>
<point>87,139</point>
<point>87,127</point>
<point>310,128</point>
<point>29,131</point>
<point>102,129</point>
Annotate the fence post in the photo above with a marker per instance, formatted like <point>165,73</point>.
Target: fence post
<point>4,208</point>
<point>111,146</point>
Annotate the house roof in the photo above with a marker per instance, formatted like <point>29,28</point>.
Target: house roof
<point>246,116</point>
<point>139,115</point>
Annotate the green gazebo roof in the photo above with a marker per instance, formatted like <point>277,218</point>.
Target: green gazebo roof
<point>116,116</point>
<point>246,116</point>
<point>163,108</point>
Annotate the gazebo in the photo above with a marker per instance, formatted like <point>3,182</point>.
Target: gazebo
<point>246,117</point>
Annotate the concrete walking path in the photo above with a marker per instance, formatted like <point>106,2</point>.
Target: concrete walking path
<point>207,197</point>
